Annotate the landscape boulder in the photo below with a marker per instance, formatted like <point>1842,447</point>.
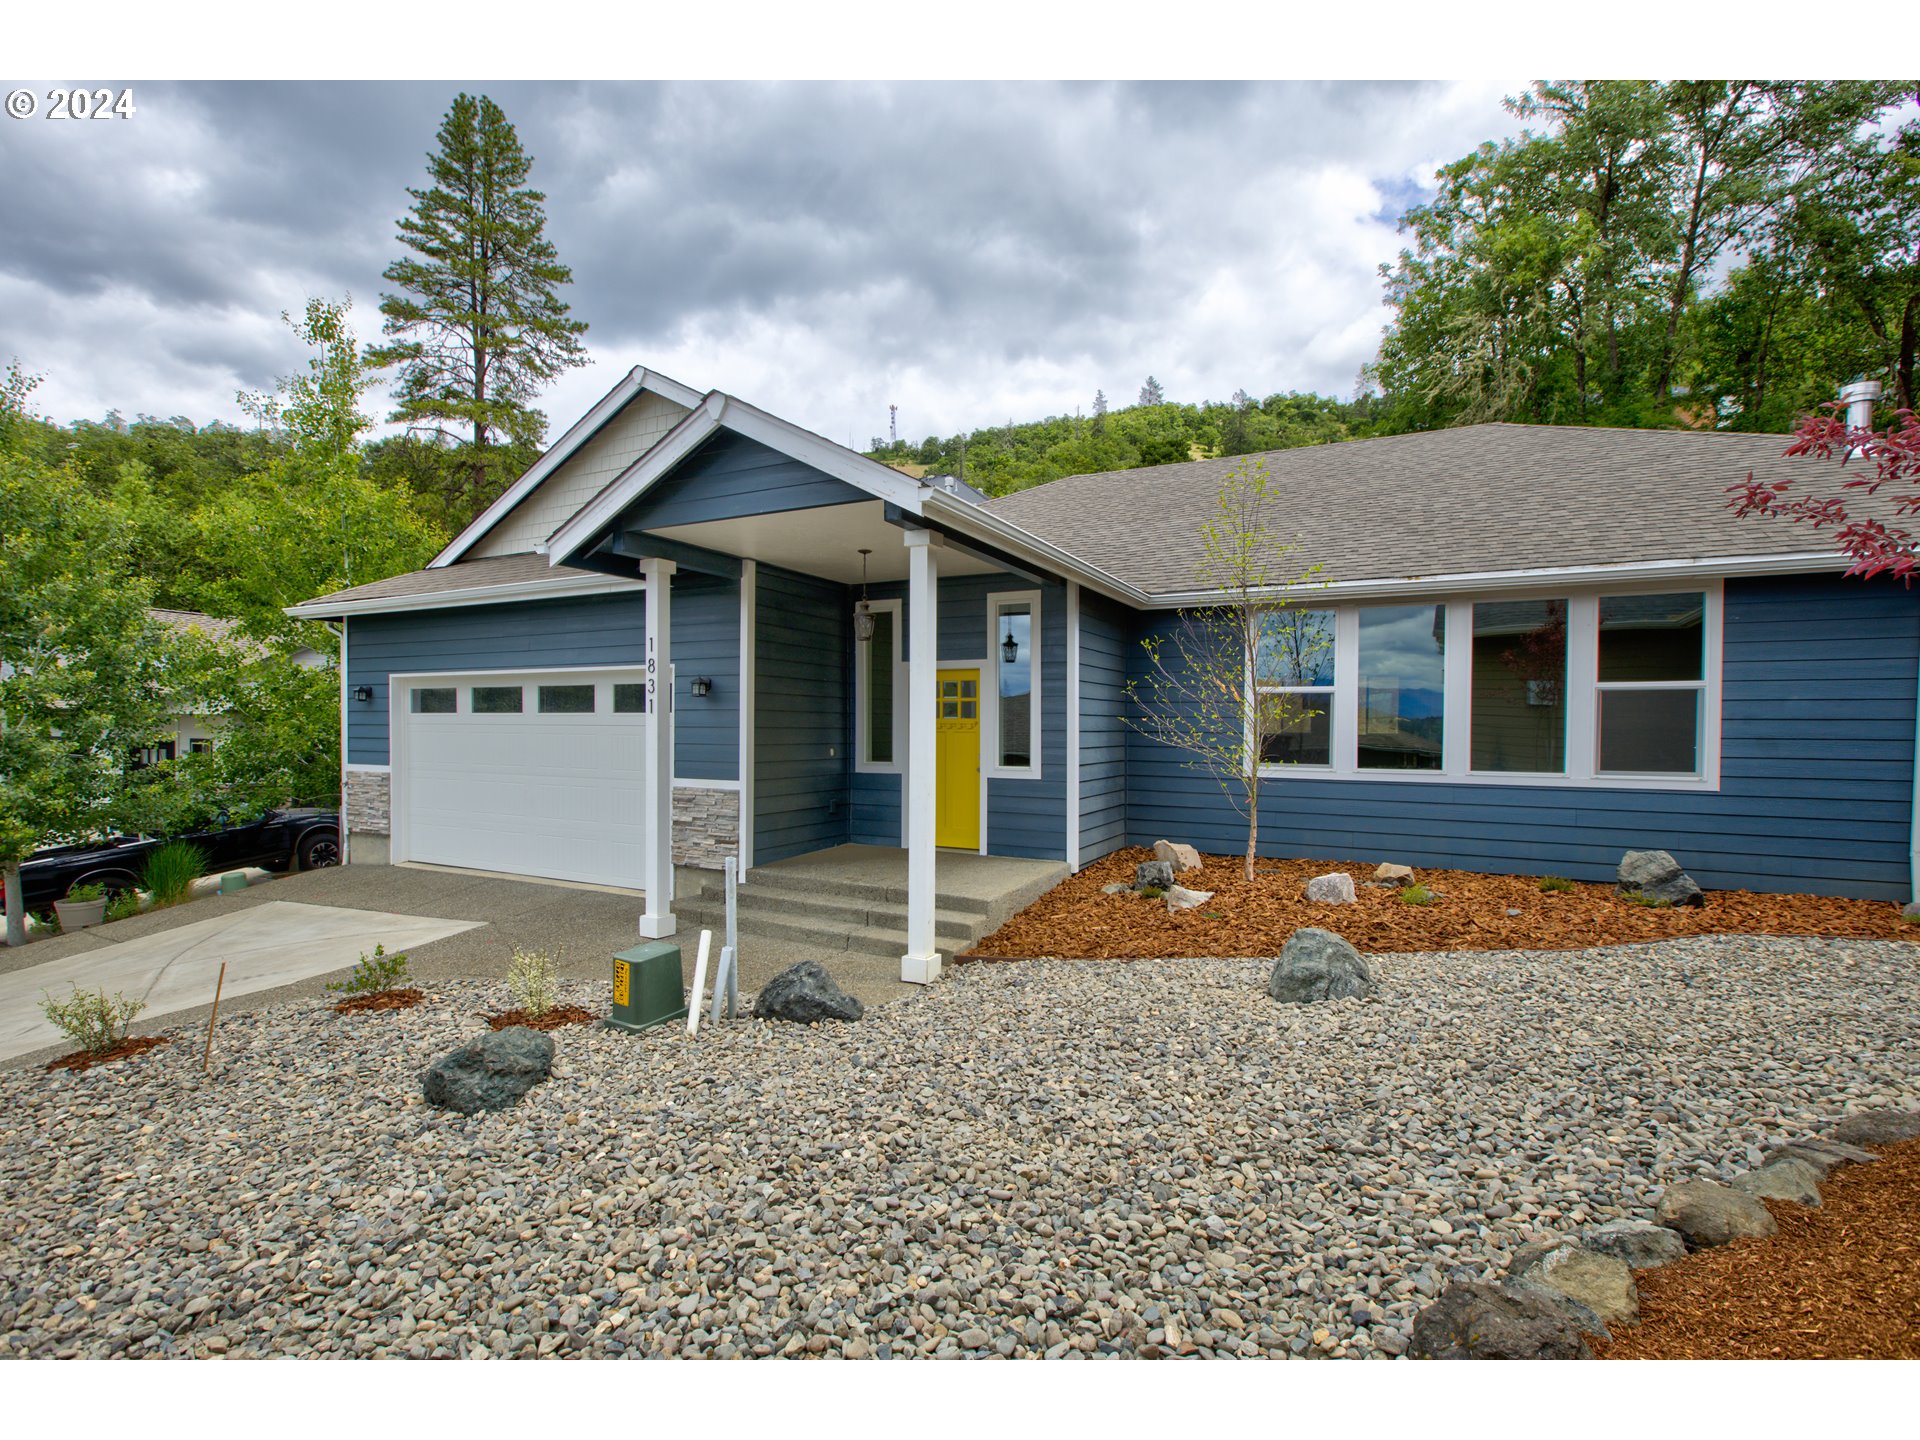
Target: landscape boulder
<point>1641,1243</point>
<point>1822,1155</point>
<point>1152,875</point>
<point>1494,1322</point>
<point>1180,857</point>
<point>1878,1127</point>
<point>1334,889</point>
<point>1602,1283</point>
<point>490,1073</point>
<point>805,993</point>
<point>1318,965</point>
<point>1656,876</point>
<point>1784,1179</point>
<point>1181,898</point>
<point>1387,873</point>
<point>1707,1213</point>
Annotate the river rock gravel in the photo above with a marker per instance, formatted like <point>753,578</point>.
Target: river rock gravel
<point>1073,1159</point>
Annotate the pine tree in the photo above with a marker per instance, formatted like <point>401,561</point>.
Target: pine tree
<point>1151,393</point>
<point>478,325</point>
<point>1099,412</point>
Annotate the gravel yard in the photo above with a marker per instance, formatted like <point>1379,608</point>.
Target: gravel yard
<point>1060,1158</point>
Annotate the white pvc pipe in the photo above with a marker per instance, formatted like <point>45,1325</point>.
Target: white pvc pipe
<point>699,982</point>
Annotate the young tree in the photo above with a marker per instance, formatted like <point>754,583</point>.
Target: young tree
<point>479,324</point>
<point>1207,690</point>
<point>1151,393</point>
<point>82,686</point>
<point>1878,544</point>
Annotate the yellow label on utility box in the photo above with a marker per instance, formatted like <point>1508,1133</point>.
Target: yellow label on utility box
<point>621,973</point>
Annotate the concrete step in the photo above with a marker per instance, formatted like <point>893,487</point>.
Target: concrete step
<point>770,881</point>
<point>845,911</point>
<point>956,932</point>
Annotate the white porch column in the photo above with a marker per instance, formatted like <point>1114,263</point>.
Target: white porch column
<point>921,964</point>
<point>658,921</point>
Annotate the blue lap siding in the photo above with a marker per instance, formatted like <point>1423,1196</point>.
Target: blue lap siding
<point>552,634</point>
<point>730,476</point>
<point>1104,630</point>
<point>1816,787</point>
<point>803,717</point>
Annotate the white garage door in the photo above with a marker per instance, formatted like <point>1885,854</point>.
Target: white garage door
<point>536,773</point>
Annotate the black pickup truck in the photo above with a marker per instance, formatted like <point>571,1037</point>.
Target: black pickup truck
<point>279,840</point>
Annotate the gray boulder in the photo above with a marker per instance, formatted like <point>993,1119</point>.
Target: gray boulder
<point>1822,1155</point>
<point>1602,1283</point>
<point>1793,1180</point>
<point>1334,889</point>
<point>1494,1322</point>
<point>1152,874</point>
<point>1318,965</point>
<point>805,993</point>
<point>1641,1243</point>
<point>1878,1127</point>
<point>1656,875</point>
<point>1707,1213</point>
<point>490,1073</point>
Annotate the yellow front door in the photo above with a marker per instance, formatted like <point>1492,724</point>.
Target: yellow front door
<point>956,807</point>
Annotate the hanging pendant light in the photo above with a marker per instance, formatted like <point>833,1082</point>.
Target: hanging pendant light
<point>863,612</point>
<point>1010,647</point>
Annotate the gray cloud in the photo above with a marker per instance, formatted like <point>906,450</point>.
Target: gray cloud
<point>973,252</point>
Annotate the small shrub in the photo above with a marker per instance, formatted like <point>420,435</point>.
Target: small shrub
<point>48,921</point>
<point>81,894</point>
<point>530,976</point>
<point>1555,882</point>
<point>171,870</point>
<point>1647,901</point>
<point>1416,895</point>
<point>123,906</point>
<point>374,975</point>
<point>1153,892</point>
<point>90,1019</point>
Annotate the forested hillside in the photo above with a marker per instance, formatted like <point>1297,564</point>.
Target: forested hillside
<point>1716,254</point>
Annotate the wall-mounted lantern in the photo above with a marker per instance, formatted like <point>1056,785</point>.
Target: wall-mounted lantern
<point>363,693</point>
<point>701,687</point>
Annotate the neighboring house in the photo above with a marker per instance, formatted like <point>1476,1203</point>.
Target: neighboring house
<point>194,730</point>
<point>1550,645</point>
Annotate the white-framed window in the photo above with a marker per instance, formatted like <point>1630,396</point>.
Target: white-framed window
<point>1014,631</point>
<point>1616,688</point>
<point>1293,680</point>
<point>879,684</point>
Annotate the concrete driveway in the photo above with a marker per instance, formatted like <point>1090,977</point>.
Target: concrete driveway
<point>263,947</point>
<point>483,919</point>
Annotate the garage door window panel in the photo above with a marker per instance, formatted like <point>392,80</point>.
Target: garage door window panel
<point>566,699</point>
<point>496,700</point>
<point>432,700</point>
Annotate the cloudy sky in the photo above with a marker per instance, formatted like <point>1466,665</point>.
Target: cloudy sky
<point>972,253</point>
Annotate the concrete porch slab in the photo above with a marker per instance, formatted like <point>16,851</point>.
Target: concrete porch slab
<point>263,947</point>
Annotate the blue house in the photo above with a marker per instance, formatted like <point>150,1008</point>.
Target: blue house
<point>693,630</point>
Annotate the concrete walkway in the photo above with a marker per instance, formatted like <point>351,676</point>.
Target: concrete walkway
<point>263,947</point>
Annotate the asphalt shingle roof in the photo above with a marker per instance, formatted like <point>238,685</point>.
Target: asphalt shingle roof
<point>1446,502</point>
<point>465,575</point>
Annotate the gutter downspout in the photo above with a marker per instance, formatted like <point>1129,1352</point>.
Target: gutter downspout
<point>345,829</point>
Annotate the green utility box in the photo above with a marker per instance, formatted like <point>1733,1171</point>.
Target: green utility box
<point>647,989</point>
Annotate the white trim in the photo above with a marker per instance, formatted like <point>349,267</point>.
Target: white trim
<point>749,674</point>
<point>966,516</point>
<point>861,719</point>
<point>544,588</point>
<point>680,784</point>
<point>562,450</point>
<point>990,766</point>
<point>658,921</point>
<point>632,666</point>
<point>921,963</point>
<point>345,826</point>
<point>1073,726</point>
<point>715,411</point>
<point>1583,688</point>
<point>371,769</point>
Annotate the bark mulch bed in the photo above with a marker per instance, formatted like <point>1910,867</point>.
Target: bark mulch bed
<point>86,1059</point>
<point>1841,1282</point>
<point>556,1017</point>
<point>381,1000</point>
<point>1075,920</point>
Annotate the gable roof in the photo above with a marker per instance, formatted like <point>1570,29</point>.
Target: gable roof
<point>492,581</point>
<point>609,405</point>
<point>1477,501</point>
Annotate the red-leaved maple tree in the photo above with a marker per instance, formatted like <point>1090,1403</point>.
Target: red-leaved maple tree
<point>1876,546</point>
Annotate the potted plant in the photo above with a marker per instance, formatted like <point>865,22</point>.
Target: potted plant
<point>83,905</point>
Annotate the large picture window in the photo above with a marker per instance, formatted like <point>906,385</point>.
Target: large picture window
<point>1402,695</point>
<point>1016,670</point>
<point>1519,716</point>
<point>1651,683</point>
<point>1293,673</point>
